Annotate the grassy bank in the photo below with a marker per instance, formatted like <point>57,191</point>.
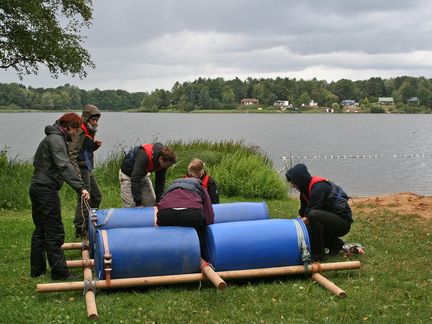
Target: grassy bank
<point>393,285</point>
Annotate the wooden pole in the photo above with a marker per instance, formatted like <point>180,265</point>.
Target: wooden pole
<point>80,263</point>
<point>89,293</point>
<point>289,270</point>
<point>211,275</point>
<point>329,285</point>
<point>194,277</point>
<point>75,246</point>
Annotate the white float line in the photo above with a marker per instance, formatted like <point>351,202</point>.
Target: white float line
<point>393,156</point>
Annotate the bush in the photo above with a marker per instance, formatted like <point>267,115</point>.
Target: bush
<point>239,170</point>
<point>248,176</point>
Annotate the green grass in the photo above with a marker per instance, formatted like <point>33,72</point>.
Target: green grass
<point>393,285</point>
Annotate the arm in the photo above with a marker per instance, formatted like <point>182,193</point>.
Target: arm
<point>138,172</point>
<point>160,183</point>
<point>213,191</point>
<point>61,160</point>
<point>208,208</point>
<point>74,149</point>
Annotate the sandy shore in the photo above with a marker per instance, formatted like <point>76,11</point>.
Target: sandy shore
<point>403,203</point>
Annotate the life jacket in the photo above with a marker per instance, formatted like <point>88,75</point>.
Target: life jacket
<point>204,181</point>
<point>337,198</point>
<point>314,180</point>
<point>86,131</point>
<point>88,146</point>
<point>148,149</point>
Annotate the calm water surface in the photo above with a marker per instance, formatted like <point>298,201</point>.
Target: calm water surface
<point>366,154</point>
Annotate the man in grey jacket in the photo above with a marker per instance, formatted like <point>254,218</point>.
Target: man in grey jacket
<point>51,168</point>
<point>81,154</point>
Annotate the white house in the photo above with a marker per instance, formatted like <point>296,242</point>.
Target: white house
<point>385,101</point>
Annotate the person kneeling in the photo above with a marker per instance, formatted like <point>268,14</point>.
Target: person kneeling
<point>186,203</point>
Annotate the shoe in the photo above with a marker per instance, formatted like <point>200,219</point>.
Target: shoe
<point>335,251</point>
<point>317,257</point>
<point>67,277</point>
<point>35,275</point>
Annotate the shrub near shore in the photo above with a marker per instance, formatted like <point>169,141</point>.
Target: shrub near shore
<point>239,170</point>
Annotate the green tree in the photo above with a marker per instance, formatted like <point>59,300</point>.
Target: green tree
<point>44,32</point>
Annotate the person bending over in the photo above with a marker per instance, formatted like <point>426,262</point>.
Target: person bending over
<point>134,175</point>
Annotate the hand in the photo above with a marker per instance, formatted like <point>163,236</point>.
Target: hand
<point>98,143</point>
<point>305,220</point>
<point>85,195</point>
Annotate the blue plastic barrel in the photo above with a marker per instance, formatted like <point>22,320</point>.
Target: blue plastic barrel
<point>120,218</point>
<point>255,244</point>
<point>144,217</point>
<point>240,211</point>
<point>148,251</point>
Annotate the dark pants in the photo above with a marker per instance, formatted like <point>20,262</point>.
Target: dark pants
<point>81,212</point>
<point>324,229</point>
<point>188,217</point>
<point>48,235</point>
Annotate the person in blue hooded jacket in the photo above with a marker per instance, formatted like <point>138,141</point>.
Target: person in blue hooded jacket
<point>324,209</point>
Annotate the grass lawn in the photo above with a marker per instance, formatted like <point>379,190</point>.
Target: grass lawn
<point>393,286</point>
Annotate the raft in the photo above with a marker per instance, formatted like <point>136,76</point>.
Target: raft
<point>146,216</point>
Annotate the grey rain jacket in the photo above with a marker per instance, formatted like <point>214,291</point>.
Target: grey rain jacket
<point>51,161</point>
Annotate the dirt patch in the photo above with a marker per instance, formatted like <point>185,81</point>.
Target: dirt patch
<point>402,203</point>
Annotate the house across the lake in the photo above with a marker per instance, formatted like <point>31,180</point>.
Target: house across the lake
<point>247,101</point>
<point>385,101</point>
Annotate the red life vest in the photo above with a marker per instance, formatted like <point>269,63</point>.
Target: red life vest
<point>314,180</point>
<point>148,148</point>
<point>205,180</point>
<point>86,131</point>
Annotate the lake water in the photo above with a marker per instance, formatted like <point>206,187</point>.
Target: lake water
<point>368,154</point>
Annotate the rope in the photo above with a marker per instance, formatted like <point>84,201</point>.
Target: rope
<point>84,203</point>
<point>110,212</point>
<point>89,286</point>
<point>302,246</point>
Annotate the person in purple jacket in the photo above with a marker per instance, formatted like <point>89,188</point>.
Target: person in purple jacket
<point>186,203</point>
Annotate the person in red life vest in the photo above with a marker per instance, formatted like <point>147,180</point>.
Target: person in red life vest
<point>82,159</point>
<point>196,170</point>
<point>186,203</point>
<point>52,168</point>
<point>134,175</point>
<point>324,209</point>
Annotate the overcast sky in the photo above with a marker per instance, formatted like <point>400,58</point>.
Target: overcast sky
<point>143,45</point>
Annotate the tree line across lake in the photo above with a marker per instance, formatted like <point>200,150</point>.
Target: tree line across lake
<point>220,94</point>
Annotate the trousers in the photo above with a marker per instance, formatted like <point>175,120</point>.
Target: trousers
<point>324,229</point>
<point>147,192</point>
<point>48,236</point>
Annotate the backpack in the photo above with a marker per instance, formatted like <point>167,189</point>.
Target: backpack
<point>338,199</point>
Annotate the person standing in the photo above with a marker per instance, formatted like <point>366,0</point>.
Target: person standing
<point>81,154</point>
<point>134,174</point>
<point>196,169</point>
<point>324,209</point>
<point>51,168</point>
